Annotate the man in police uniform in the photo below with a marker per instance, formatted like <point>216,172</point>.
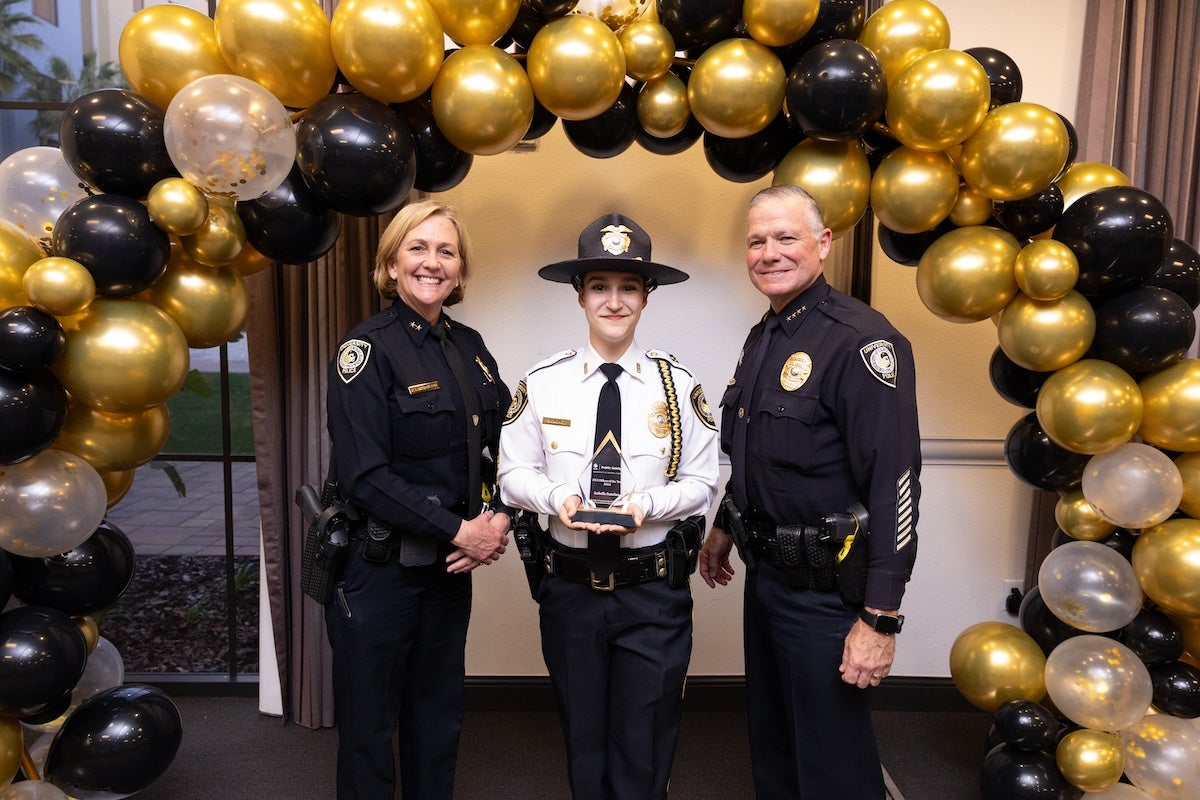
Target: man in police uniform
<point>616,634</point>
<point>821,425</point>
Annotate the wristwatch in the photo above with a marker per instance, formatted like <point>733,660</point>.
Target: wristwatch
<point>882,623</point>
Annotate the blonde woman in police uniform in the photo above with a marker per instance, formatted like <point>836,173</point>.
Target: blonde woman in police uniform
<point>616,645</point>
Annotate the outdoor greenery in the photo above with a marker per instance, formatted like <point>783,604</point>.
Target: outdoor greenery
<point>196,415</point>
<point>15,47</point>
<point>64,84</point>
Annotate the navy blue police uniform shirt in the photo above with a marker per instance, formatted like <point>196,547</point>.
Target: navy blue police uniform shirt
<point>833,421</point>
<point>397,420</point>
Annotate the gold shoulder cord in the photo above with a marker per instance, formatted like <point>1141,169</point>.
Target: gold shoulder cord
<point>664,369</point>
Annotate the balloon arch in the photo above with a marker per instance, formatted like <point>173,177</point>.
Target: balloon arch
<point>246,137</point>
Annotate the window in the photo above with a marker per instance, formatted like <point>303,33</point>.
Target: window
<point>46,10</point>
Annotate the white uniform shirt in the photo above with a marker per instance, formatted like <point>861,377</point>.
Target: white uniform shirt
<point>547,441</point>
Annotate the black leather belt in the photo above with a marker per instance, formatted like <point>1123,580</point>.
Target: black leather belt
<point>636,566</point>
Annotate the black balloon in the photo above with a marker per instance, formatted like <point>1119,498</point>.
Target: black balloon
<point>1038,461</point>
<point>1072,143</point>
<point>543,120</point>
<point>1039,622</point>
<point>837,90</point>
<point>1013,382</point>
<point>836,19</point>
<point>44,653</point>
<point>907,248</point>
<point>1154,637</point>
<point>113,237</point>
<point>699,22</point>
<point>751,157</point>
<point>611,132</point>
<point>1031,215</point>
<point>1119,235</point>
<point>1008,773</point>
<point>52,711</point>
<point>1179,272</point>
<point>1027,725</point>
<point>113,139</point>
<point>29,339</point>
<point>6,579</point>
<point>33,410</point>
<point>440,165</point>
<point>289,224</point>
<point>530,19</point>
<point>117,742</point>
<point>356,154</point>
<point>670,145</point>
<point>1176,689</point>
<point>1144,330</point>
<point>84,580</point>
<point>1122,540</point>
<point>1002,72</point>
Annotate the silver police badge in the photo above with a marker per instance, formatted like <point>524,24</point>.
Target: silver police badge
<point>352,357</point>
<point>880,358</point>
<point>615,239</point>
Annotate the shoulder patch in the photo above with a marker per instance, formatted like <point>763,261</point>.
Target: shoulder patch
<point>520,400</point>
<point>880,358</point>
<point>352,356</point>
<point>700,406</point>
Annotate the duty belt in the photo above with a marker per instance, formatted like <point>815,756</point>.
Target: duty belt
<point>636,566</point>
<point>799,551</point>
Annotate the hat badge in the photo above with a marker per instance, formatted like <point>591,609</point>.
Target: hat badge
<point>615,239</point>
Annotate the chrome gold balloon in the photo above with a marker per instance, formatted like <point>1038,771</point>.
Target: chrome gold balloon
<point>903,30</point>
<point>482,100</point>
<point>176,206</point>
<point>17,253</point>
<point>1046,269</point>
<point>1091,760</point>
<point>836,174</point>
<point>736,88</point>
<point>649,49</point>
<point>117,484</point>
<point>210,305</point>
<point>123,355</point>
<point>971,207</point>
<point>390,50</point>
<point>280,44</point>
<point>1090,406</point>
<point>1172,416</point>
<point>1078,518</point>
<point>913,190</point>
<point>249,261</point>
<point>1166,560</point>
<point>165,47</point>
<point>58,285</point>
<point>1084,177</point>
<point>476,21</point>
<point>938,100</point>
<point>776,23</point>
<point>967,274</point>
<point>1018,150</point>
<point>994,662</point>
<point>114,442</point>
<point>89,629</point>
<point>662,106</point>
<point>1189,471</point>
<point>577,67</point>
<point>219,240</point>
<point>1047,335</point>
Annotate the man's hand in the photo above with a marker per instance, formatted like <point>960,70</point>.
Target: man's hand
<point>867,655</point>
<point>715,566</point>
<point>481,540</point>
<point>566,513</point>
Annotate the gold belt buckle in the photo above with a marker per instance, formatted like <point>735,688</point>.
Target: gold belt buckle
<point>603,586</point>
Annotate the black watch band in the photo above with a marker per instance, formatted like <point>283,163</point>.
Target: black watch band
<point>882,623</point>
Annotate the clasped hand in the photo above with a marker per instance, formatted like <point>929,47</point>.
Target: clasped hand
<point>481,540</point>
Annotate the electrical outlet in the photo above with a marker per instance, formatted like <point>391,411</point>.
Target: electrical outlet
<point>1009,586</point>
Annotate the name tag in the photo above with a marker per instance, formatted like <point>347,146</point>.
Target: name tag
<point>421,388</point>
<point>566,423</point>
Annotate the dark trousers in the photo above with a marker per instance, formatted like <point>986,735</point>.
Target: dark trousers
<point>398,636</point>
<point>617,661</point>
<point>811,736</point>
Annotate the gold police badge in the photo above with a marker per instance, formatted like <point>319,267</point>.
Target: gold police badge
<point>660,426</point>
<point>795,371</point>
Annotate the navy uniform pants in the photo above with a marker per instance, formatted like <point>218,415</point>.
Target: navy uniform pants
<point>398,636</point>
<point>617,661</point>
<point>811,736</point>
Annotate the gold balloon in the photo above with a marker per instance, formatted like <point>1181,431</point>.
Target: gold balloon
<point>971,207</point>
<point>1091,760</point>
<point>390,50</point>
<point>1047,335</point>
<point>10,748</point>
<point>662,106</point>
<point>17,252</point>
<point>649,49</point>
<point>1190,627</point>
<point>165,47</point>
<point>1018,150</point>
<point>577,67</point>
<point>209,305</point>
<point>836,174</point>
<point>117,484</point>
<point>938,100</point>
<point>114,441</point>
<point>1046,269</point>
<point>994,662</point>
<point>736,88</point>
<point>282,45</point>
<point>913,190</point>
<point>1172,417</point>
<point>1189,470</point>
<point>219,240</point>
<point>90,630</point>
<point>1079,520</point>
<point>476,21</point>
<point>249,261</point>
<point>903,30</point>
<point>1084,177</point>
<point>966,275</point>
<point>59,285</point>
<point>1166,560</point>
<point>123,355</point>
<point>482,100</point>
<point>776,23</point>
<point>177,206</point>
<point>1090,406</point>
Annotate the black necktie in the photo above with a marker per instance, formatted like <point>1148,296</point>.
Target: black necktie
<point>466,390</point>
<point>605,548</point>
<point>741,431</point>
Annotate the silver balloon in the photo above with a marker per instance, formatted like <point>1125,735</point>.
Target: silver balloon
<point>1090,586</point>
<point>1097,682</point>
<point>1133,486</point>
<point>1162,756</point>
<point>49,504</point>
<point>36,186</point>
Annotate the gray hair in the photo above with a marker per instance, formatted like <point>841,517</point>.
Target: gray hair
<point>786,190</point>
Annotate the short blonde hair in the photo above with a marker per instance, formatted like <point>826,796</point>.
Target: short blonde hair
<point>406,219</point>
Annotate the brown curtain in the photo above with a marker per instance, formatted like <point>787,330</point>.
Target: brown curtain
<point>297,316</point>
